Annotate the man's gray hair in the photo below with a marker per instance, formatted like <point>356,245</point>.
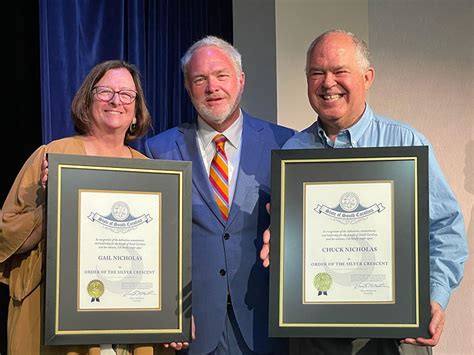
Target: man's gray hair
<point>212,41</point>
<point>362,50</point>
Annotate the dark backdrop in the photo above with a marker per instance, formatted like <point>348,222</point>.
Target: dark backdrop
<point>24,126</point>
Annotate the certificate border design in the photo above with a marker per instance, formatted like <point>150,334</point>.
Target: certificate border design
<point>304,238</point>
<point>55,334</point>
<point>278,325</point>
<point>160,235</point>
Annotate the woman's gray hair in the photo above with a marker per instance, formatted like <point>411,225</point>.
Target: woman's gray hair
<point>212,41</point>
<point>362,50</point>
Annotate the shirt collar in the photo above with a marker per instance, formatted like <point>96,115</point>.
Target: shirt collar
<point>355,132</point>
<point>233,134</point>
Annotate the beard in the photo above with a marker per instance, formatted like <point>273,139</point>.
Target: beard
<point>212,116</point>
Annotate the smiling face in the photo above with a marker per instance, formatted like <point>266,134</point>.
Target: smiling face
<point>337,84</point>
<point>113,116</point>
<point>215,86</point>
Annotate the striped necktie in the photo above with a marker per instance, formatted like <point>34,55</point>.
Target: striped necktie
<point>218,176</point>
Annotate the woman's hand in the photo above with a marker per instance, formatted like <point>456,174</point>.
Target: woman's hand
<point>44,173</point>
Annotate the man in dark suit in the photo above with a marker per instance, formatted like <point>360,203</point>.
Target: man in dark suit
<point>231,186</point>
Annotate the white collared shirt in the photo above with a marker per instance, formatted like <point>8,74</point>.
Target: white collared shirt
<point>232,147</point>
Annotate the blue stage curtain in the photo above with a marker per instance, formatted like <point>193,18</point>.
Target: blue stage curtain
<point>77,34</point>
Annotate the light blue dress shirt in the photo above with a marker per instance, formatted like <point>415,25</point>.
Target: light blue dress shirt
<point>448,245</point>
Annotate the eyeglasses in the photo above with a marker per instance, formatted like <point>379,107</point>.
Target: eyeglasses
<point>106,94</point>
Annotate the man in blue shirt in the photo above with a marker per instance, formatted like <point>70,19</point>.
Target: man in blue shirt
<point>339,75</point>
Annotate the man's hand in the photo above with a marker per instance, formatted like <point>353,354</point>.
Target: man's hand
<point>178,345</point>
<point>435,328</point>
<point>265,252</point>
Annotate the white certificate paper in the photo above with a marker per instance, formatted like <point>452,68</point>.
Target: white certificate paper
<point>348,242</point>
<point>119,250</point>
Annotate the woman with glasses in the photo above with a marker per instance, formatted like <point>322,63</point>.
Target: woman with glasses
<point>108,111</point>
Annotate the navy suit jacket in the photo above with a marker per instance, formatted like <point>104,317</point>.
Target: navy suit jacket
<point>226,254</point>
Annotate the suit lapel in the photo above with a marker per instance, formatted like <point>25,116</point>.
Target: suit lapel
<point>246,187</point>
<point>189,150</point>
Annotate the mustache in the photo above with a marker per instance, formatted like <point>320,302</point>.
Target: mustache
<point>214,97</point>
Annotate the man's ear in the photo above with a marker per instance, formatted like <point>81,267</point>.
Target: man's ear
<point>186,86</point>
<point>369,77</point>
<point>242,79</point>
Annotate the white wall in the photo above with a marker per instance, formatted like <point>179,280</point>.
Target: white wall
<point>298,22</point>
<point>258,56</point>
<point>423,53</point>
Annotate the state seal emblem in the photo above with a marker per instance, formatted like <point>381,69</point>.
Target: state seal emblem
<point>349,201</point>
<point>120,211</point>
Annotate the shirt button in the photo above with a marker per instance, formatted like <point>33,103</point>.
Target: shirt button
<point>226,236</point>
<point>222,272</point>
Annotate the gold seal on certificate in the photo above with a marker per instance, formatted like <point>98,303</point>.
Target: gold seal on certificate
<point>95,289</point>
<point>322,282</point>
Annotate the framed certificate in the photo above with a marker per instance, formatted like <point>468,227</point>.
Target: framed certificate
<point>350,243</point>
<point>118,260</point>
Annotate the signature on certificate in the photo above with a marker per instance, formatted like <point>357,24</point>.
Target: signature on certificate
<point>370,285</point>
<point>138,293</point>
